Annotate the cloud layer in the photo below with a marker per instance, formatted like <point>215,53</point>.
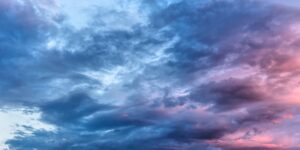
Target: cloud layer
<point>159,75</point>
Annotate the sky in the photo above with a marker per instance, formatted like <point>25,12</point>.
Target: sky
<point>149,75</point>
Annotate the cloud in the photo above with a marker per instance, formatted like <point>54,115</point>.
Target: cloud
<point>71,109</point>
<point>180,75</point>
<point>231,93</point>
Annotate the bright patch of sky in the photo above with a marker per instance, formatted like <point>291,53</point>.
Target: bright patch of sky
<point>15,120</point>
<point>79,13</point>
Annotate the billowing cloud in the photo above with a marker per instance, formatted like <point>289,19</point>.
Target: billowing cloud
<point>159,75</point>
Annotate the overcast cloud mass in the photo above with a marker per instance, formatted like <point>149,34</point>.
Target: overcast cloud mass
<point>150,75</point>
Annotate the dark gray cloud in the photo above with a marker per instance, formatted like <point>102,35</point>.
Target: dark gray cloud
<point>230,94</point>
<point>71,109</point>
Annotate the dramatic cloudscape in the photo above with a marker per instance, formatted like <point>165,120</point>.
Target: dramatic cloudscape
<point>150,74</point>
